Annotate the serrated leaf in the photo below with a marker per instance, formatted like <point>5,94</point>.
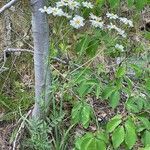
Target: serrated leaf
<point>118,136</point>
<point>113,123</point>
<point>114,99</point>
<point>130,134</point>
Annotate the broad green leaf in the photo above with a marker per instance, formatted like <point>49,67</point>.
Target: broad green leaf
<point>100,145</point>
<point>146,138</point>
<point>130,134</point>
<point>86,114</point>
<point>80,140</point>
<point>121,72</point>
<point>76,112</point>
<point>134,104</point>
<point>113,123</point>
<point>103,136</point>
<point>92,144</point>
<point>107,92</point>
<point>118,136</point>
<point>145,122</point>
<point>114,99</point>
<point>83,89</point>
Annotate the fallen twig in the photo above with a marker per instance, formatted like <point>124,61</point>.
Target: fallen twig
<point>8,5</point>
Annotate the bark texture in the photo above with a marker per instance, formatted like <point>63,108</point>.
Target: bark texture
<point>40,31</point>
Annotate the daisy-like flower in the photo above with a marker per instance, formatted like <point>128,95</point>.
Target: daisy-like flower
<point>55,11</point>
<point>77,22</point>
<point>111,15</point>
<point>112,26</point>
<point>97,24</point>
<point>73,4</point>
<point>119,47</point>
<point>126,21</point>
<point>121,32</point>
<point>66,15</point>
<point>93,17</point>
<point>43,10</point>
<point>60,4</point>
<point>87,4</point>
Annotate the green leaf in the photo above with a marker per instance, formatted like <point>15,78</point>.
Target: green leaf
<point>92,47</point>
<point>137,69</point>
<point>118,136</point>
<point>82,45</point>
<point>85,115</point>
<point>107,92</point>
<point>139,4</point>
<point>114,3</point>
<point>100,2</point>
<point>146,138</point>
<point>130,134</point>
<point>130,3</point>
<point>113,123</point>
<point>102,136</point>
<point>114,99</point>
<point>121,72</point>
<point>90,142</point>
<point>145,122</point>
<point>83,89</point>
<point>76,112</point>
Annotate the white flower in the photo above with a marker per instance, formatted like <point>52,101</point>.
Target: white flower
<point>73,4</point>
<point>43,10</point>
<point>121,32</point>
<point>60,4</point>
<point>97,23</point>
<point>87,4</point>
<point>55,11</point>
<point>49,10</point>
<point>66,15</point>
<point>111,15</point>
<point>119,47</point>
<point>93,17</point>
<point>77,22</point>
<point>112,26</point>
<point>126,21</point>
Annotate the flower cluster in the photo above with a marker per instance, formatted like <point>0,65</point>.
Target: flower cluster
<point>120,31</point>
<point>96,21</point>
<point>119,47</point>
<point>78,21</point>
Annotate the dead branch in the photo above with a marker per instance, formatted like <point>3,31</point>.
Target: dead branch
<point>8,5</point>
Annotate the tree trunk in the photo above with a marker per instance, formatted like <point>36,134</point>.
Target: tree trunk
<point>40,31</point>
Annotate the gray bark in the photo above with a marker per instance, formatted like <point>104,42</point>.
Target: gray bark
<point>40,31</point>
